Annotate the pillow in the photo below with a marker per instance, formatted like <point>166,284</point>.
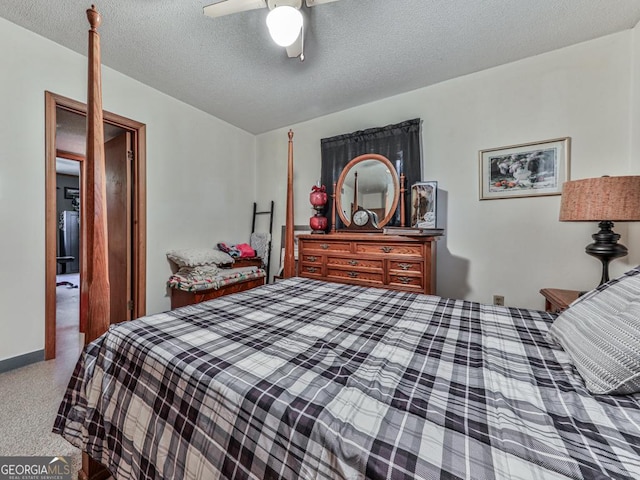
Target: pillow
<point>193,257</point>
<point>600,331</point>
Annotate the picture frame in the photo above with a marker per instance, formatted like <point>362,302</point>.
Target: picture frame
<point>525,170</point>
<point>71,192</point>
<point>424,204</point>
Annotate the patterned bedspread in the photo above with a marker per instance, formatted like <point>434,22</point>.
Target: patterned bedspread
<point>313,380</point>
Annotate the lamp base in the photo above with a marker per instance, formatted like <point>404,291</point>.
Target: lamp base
<point>606,248</point>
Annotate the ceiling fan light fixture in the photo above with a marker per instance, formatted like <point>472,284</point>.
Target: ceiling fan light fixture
<point>284,25</point>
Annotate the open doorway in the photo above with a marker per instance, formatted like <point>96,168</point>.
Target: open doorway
<point>70,156</point>
<point>68,339</point>
<point>65,139</point>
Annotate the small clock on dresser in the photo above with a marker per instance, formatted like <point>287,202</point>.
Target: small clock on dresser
<point>364,220</point>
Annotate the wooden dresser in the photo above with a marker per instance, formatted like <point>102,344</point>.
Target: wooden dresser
<point>371,260</point>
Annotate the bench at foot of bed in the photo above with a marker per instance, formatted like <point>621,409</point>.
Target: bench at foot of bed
<point>230,282</point>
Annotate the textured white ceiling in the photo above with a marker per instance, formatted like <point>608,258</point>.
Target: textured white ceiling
<point>357,51</point>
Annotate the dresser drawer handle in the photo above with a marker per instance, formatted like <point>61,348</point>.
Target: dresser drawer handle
<point>404,280</point>
<point>404,266</point>
<point>386,249</point>
<point>353,274</point>
<point>312,258</point>
<point>353,263</point>
<point>324,246</point>
<point>312,269</point>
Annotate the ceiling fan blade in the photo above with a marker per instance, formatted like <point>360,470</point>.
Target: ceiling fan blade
<point>295,49</point>
<point>313,3</point>
<point>227,7</point>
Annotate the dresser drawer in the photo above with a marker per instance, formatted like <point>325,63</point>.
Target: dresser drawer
<point>406,281</point>
<point>389,249</point>
<point>354,276</point>
<point>310,270</point>
<point>405,266</point>
<point>311,258</point>
<point>326,246</point>
<point>356,263</point>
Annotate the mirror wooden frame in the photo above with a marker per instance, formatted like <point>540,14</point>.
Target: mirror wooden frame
<point>343,175</point>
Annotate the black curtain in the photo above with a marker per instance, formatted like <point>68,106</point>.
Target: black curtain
<point>400,143</point>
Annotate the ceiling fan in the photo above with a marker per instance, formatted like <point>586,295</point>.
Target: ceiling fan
<point>285,22</point>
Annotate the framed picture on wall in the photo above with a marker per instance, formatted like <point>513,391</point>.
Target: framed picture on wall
<point>424,198</point>
<point>71,192</point>
<point>525,170</point>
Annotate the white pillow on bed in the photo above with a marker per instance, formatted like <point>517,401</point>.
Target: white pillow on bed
<point>194,257</point>
<point>601,333</point>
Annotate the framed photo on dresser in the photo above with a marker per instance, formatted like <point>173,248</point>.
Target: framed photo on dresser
<point>424,198</point>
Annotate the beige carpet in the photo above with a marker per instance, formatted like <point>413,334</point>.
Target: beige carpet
<point>29,396</point>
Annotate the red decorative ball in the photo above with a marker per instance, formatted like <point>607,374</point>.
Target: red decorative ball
<point>318,223</point>
<point>318,198</point>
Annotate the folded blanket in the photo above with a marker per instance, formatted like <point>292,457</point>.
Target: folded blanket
<point>191,279</point>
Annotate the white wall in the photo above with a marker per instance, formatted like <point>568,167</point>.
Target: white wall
<point>201,170</point>
<point>200,176</point>
<point>634,124</point>
<point>633,238</point>
<point>511,247</point>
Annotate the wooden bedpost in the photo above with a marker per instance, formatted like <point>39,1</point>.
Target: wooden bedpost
<point>402,191</point>
<point>95,281</point>
<point>289,259</point>
<point>333,209</point>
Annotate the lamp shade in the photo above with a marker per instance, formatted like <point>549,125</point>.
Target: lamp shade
<point>284,25</point>
<point>615,199</point>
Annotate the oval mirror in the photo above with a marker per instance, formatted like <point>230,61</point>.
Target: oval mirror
<point>368,181</point>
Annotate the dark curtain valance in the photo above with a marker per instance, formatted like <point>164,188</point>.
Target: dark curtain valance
<point>400,143</point>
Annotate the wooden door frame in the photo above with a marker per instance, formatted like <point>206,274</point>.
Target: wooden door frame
<point>139,230</point>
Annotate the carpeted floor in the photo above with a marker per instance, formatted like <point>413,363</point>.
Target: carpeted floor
<point>29,396</point>
<point>67,316</point>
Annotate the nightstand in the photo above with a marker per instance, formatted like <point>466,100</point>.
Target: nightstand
<point>556,299</point>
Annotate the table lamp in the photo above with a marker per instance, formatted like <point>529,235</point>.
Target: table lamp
<point>604,200</point>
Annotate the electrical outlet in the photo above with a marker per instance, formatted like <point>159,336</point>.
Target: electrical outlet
<point>498,300</point>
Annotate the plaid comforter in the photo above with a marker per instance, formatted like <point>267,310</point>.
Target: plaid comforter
<point>313,380</point>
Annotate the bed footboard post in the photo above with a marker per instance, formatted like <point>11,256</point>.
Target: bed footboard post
<point>289,259</point>
<point>95,281</point>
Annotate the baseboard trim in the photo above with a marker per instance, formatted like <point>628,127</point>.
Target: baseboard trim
<point>21,361</point>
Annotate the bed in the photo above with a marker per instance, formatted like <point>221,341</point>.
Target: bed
<point>315,380</point>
